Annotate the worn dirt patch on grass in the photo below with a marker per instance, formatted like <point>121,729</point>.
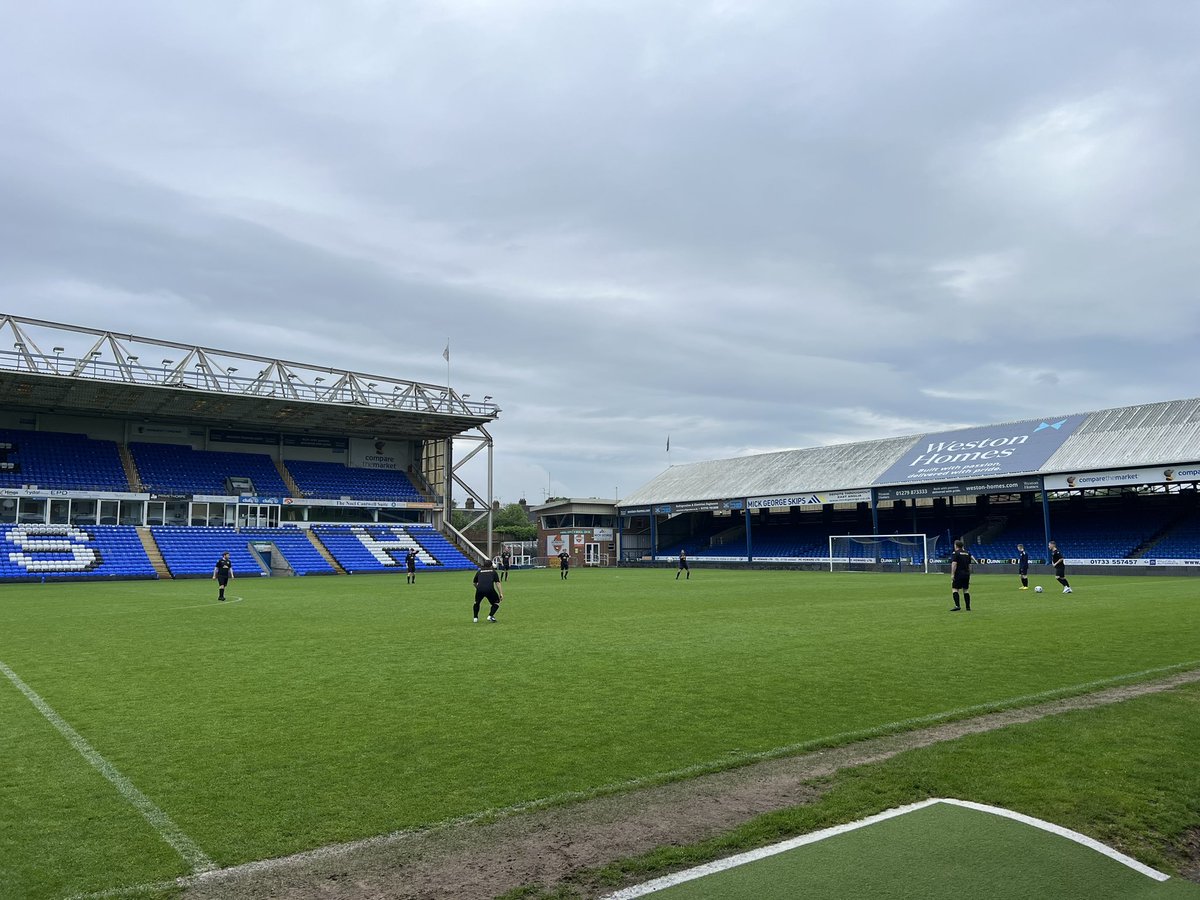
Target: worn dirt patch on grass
<point>480,861</point>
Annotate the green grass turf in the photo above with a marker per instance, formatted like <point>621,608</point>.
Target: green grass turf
<point>941,852</point>
<point>1124,775</point>
<point>319,710</point>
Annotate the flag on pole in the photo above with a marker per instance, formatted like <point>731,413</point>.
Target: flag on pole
<point>446,352</point>
<point>668,443</point>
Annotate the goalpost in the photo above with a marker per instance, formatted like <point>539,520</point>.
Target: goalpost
<point>876,552</point>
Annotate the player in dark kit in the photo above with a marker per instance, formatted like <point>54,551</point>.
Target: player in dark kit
<point>505,559</point>
<point>960,574</point>
<point>683,566</point>
<point>1060,567</point>
<point>222,572</point>
<point>564,564</point>
<point>487,587</point>
<point>1023,566</point>
<point>410,563</point>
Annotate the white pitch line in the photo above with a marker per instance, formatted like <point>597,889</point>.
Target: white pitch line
<point>159,820</point>
<point>1075,836</point>
<point>741,859</point>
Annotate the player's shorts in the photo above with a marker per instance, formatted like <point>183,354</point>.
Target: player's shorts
<point>961,582</point>
<point>223,580</point>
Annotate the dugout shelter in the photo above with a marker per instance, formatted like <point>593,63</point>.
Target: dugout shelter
<point>104,429</point>
<point>1116,488</point>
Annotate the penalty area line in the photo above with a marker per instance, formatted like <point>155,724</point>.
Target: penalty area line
<point>159,820</point>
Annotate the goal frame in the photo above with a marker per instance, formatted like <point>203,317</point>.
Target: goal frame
<point>925,542</point>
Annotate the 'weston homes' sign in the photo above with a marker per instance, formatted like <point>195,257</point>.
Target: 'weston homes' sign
<point>985,452</point>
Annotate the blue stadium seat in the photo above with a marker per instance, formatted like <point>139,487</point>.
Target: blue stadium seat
<point>331,480</point>
<point>63,461</point>
<point>65,552</point>
<point>381,548</point>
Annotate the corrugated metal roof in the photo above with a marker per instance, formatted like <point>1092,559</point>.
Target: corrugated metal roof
<point>1150,434</point>
<point>1147,435</point>
<point>815,469</point>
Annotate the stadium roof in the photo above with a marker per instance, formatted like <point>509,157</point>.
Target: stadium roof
<point>1149,435</point>
<point>94,372</point>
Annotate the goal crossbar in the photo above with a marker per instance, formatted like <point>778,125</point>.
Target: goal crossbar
<point>863,550</point>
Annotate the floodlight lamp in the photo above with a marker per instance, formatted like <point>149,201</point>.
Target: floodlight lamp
<point>167,362</point>
<point>59,349</point>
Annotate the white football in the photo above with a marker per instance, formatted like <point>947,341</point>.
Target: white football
<point>1038,589</point>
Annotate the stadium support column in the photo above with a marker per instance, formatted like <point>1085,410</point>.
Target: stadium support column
<point>653,535</point>
<point>749,543</point>
<point>448,469</point>
<point>1045,513</point>
<point>874,511</point>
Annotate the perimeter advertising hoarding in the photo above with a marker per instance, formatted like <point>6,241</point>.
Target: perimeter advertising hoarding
<point>35,492</point>
<point>989,451</point>
<point>815,499</point>
<point>960,489</point>
<point>1164,475</point>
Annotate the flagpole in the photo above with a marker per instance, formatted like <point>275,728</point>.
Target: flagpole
<point>446,356</point>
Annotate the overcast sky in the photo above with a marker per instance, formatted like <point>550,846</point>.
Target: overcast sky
<point>746,225</point>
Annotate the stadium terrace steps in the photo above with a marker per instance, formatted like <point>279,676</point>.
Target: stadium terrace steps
<point>131,472</point>
<point>325,554</point>
<point>293,488</point>
<point>153,553</point>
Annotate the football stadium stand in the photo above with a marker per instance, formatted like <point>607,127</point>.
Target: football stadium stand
<point>63,461</point>
<point>381,548</point>
<point>293,545</point>
<point>178,469</point>
<point>1180,541</point>
<point>191,552</point>
<point>331,480</point>
<point>72,552</point>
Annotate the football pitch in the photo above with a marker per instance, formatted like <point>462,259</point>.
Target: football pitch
<point>150,732</point>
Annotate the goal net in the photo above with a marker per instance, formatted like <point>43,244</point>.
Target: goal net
<point>881,552</point>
